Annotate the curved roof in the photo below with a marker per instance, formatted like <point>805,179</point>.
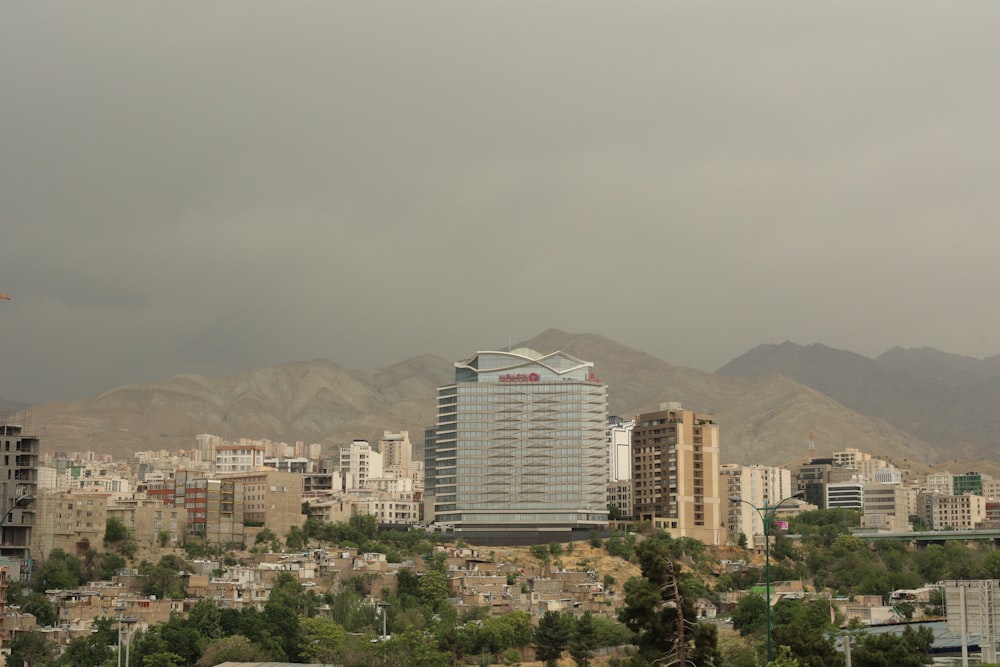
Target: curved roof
<point>558,362</point>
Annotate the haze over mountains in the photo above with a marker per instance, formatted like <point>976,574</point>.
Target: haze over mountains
<point>923,406</point>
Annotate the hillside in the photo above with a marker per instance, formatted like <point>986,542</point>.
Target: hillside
<point>764,420</point>
<point>946,400</point>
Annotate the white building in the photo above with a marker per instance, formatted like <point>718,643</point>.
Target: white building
<point>619,439</point>
<point>760,486</point>
<point>360,461</point>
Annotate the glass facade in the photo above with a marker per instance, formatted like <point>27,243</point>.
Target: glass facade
<point>519,441</point>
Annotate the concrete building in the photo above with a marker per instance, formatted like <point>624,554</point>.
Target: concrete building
<point>215,510</point>
<point>518,453</point>
<point>759,486</point>
<point>18,489</point>
<point>964,512</point>
<point>360,461</point>
<point>846,495</point>
<point>619,438</point>
<point>238,458</point>
<point>969,482</point>
<point>148,517</point>
<point>73,521</point>
<point>940,482</point>
<point>886,507</point>
<point>396,450</point>
<point>620,496</point>
<point>272,499</point>
<point>675,473</point>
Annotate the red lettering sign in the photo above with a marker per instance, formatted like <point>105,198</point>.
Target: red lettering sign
<point>519,377</point>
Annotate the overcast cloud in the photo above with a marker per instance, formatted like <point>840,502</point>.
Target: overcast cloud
<point>215,187</point>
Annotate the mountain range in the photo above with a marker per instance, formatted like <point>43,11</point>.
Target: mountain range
<point>916,407</point>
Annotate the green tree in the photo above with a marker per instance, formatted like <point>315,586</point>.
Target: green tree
<point>234,648</point>
<point>295,539</point>
<point>584,641</point>
<point>433,589</point>
<point>412,649</point>
<point>321,640</point>
<point>552,637</point>
<point>92,649</point>
<point>60,570</point>
<point>206,616</point>
<point>749,616</point>
<point>38,605</point>
<point>911,649</point>
<point>115,532</point>
<point>163,580</point>
<point>31,648</point>
<point>164,659</point>
<point>182,637</point>
<point>266,535</point>
<point>805,628</point>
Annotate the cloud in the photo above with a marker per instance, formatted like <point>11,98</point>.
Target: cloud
<point>218,188</point>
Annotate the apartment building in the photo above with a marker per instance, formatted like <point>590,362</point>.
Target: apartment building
<point>675,473</point>
<point>754,486</point>
<point>18,489</point>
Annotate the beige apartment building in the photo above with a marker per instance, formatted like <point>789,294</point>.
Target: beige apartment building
<point>272,499</point>
<point>887,507</point>
<point>69,520</point>
<point>755,486</point>
<point>147,517</point>
<point>675,473</point>
<point>965,512</point>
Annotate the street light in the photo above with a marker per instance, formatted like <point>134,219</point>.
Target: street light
<point>767,516</point>
<point>19,502</point>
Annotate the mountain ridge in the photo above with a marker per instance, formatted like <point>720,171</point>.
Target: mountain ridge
<point>765,420</point>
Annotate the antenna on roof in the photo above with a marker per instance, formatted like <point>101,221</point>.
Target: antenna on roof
<point>812,447</point>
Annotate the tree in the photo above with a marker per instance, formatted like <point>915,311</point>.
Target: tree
<point>163,579</point>
<point>206,616</point>
<point>115,532</point>
<point>907,609</point>
<point>584,641</point>
<point>412,649</point>
<point>552,637</point>
<point>182,637</point>
<point>659,605</point>
<point>266,535</point>
<point>911,649</point>
<point>60,570</point>
<point>31,648</point>
<point>433,589</point>
<point>92,649</point>
<point>321,640</point>
<point>295,539</point>
<point>805,628</point>
<point>38,605</point>
<point>234,648</point>
<point>749,616</point>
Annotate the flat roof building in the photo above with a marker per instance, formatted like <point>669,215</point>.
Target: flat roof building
<point>518,454</point>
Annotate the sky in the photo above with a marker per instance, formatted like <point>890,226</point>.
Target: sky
<point>216,187</point>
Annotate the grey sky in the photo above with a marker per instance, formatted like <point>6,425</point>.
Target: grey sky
<point>214,187</point>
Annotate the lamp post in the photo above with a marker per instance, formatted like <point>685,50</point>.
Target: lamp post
<point>20,502</point>
<point>767,516</point>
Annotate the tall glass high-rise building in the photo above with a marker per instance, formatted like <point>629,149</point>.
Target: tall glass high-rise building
<point>518,453</point>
